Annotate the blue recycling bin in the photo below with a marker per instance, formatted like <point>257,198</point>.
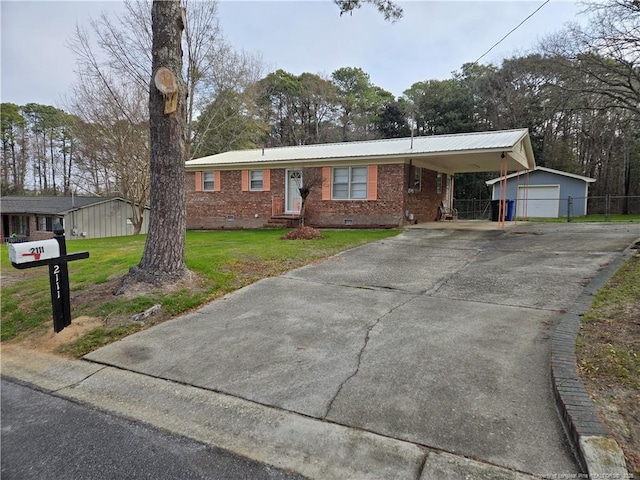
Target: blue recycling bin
<point>511,211</point>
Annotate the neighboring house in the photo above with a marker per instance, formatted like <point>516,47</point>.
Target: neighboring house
<point>544,192</point>
<point>33,218</point>
<point>379,183</point>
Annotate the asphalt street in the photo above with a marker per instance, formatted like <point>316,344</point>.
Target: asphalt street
<point>46,437</point>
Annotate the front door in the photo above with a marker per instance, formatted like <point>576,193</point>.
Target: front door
<point>293,199</point>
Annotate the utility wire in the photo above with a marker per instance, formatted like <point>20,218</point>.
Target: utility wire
<point>513,30</point>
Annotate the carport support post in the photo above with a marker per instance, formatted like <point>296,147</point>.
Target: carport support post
<point>59,282</point>
<point>569,208</point>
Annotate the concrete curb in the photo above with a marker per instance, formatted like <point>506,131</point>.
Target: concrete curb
<point>310,447</point>
<point>313,448</point>
<point>598,453</point>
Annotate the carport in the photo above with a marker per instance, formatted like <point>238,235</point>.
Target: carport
<point>502,151</point>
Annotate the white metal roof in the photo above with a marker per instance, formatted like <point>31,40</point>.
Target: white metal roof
<point>467,152</point>
<point>543,169</point>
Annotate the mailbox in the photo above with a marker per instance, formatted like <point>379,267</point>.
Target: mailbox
<point>33,251</point>
<point>52,253</point>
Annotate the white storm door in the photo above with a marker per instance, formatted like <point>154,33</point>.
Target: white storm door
<point>293,199</point>
<point>539,201</point>
<point>449,191</point>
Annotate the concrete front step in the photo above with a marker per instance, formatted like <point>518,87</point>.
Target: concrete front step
<point>284,221</point>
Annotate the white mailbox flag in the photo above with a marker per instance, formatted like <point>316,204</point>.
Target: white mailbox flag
<point>32,251</point>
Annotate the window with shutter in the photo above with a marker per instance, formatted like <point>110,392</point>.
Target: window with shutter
<point>350,183</point>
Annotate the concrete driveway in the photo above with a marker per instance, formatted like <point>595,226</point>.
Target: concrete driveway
<point>439,337</point>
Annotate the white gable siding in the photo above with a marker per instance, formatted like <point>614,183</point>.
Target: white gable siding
<point>106,219</point>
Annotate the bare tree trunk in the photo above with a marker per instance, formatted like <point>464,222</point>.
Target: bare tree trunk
<point>67,185</point>
<point>304,193</point>
<point>23,161</point>
<point>14,169</point>
<point>5,161</point>
<point>53,165</point>
<point>163,257</point>
<point>626,176</point>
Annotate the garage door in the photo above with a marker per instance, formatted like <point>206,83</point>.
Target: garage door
<point>538,201</point>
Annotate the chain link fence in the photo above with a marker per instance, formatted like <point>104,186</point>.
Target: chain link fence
<point>473,209</point>
<point>607,205</point>
<point>613,205</point>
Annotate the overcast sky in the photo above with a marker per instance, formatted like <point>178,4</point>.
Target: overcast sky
<point>433,39</point>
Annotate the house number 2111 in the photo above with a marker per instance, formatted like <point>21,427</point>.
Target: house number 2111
<point>56,274</point>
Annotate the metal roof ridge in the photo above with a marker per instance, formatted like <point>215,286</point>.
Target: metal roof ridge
<point>484,132</point>
<point>329,144</point>
<point>522,131</point>
<point>380,140</point>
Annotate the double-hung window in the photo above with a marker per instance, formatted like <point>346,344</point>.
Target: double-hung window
<point>208,182</point>
<point>417,179</point>
<point>45,224</point>
<point>350,183</point>
<point>256,180</point>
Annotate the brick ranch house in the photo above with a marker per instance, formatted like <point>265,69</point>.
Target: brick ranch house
<point>379,183</point>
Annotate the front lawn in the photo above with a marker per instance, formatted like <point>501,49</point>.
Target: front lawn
<point>223,261</point>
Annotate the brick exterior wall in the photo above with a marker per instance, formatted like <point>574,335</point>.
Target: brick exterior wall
<point>210,210</point>
<point>232,208</point>
<point>423,204</point>
<point>34,233</point>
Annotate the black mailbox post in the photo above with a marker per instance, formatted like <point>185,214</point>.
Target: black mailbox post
<point>38,254</point>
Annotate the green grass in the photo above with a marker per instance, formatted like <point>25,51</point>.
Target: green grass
<point>99,337</point>
<point>225,260</point>
<point>608,343</point>
<point>588,218</point>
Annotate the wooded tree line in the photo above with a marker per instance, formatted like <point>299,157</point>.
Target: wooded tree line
<point>579,96</point>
